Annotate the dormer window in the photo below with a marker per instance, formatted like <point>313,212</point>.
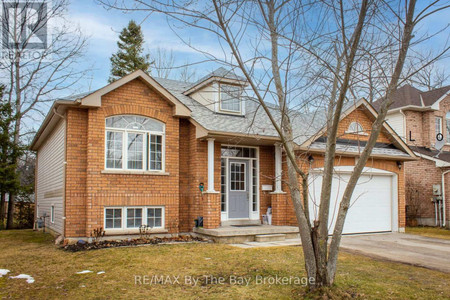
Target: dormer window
<point>230,98</point>
<point>355,128</point>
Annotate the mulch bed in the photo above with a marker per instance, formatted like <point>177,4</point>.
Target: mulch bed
<point>83,245</point>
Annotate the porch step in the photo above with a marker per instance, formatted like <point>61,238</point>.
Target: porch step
<point>270,237</point>
<point>241,222</point>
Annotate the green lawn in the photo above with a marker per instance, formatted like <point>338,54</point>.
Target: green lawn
<point>55,272</point>
<point>434,232</point>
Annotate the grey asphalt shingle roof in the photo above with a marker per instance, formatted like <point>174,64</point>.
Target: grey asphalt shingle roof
<point>359,149</point>
<point>220,72</point>
<point>255,120</point>
<point>408,95</point>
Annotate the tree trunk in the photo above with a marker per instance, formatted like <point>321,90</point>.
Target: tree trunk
<point>10,219</point>
<point>2,209</point>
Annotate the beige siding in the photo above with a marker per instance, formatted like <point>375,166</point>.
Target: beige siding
<point>208,96</point>
<point>50,177</point>
<point>397,122</point>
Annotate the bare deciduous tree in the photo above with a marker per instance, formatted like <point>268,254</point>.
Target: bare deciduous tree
<point>40,60</point>
<point>309,56</point>
<point>163,62</point>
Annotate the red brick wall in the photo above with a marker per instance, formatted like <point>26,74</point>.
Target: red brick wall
<point>120,189</point>
<point>360,115</point>
<point>266,176</point>
<point>287,217</point>
<point>414,124</point>
<point>76,158</point>
<point>193,155</point>
<point>421,175</point>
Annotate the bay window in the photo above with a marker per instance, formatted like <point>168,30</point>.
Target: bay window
<point>134,143</point>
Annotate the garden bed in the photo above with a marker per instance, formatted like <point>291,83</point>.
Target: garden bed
<point>84,246</point>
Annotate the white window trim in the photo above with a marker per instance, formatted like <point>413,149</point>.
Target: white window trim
<point>146,156</point>
<point>123,222</point>
<point>447,118</point>
<point>52,213</point>
<point>126,216</point>
<point>104,217</point>
<point>440,124</point>
<point>245,179</point>
<point>220,101</point>
<point>254,215</point>
<point>356,132</point>
<point>163,216</point>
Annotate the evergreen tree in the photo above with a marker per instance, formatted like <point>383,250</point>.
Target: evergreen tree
<point>9,152</point>
<point>129,56</point>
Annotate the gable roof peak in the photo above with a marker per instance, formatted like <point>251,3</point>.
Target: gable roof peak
<point>219,74</point>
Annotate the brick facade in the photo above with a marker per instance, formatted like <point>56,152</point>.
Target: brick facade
<point>421,175</point>
<point>89,189</point>
<point>285,214</point>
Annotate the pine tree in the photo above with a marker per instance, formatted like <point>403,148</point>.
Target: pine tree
<point>9,152</point>
<point>129,56</point>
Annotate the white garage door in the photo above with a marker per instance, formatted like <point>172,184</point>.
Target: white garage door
<point>370,207</point>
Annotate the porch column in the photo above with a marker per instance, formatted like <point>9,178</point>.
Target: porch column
<point>210,166</point>
<point>278,168</point>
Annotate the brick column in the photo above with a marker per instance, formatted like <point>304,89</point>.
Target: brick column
<point>211,210</point>
<point>279,208</point>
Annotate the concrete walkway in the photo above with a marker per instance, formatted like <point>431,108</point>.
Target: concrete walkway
<point>410,249</point>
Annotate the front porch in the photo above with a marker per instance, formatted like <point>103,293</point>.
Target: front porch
<point>243,182</point>
<point>231,234</point>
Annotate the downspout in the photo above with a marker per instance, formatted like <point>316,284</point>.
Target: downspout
<point>404,124</point>
<point>443,196</point>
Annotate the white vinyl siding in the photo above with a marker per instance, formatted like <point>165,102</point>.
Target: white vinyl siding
<point>50,178</point>
<point>397,122</point>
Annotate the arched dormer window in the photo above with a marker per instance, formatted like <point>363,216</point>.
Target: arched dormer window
<point>355,128</point>
<point>134,143</point>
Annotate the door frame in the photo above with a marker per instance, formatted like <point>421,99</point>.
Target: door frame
<point>253,215</point>
<point>372,172</point>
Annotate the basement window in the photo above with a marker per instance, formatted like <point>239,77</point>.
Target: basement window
<point>134,217</point>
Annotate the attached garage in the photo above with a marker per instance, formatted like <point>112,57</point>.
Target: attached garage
<point>374,204</point>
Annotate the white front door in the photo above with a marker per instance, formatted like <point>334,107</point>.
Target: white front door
<point>370,207</point>
<point>238,189</point>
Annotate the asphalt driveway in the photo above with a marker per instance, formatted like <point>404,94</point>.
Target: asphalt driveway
<point>400,247</point>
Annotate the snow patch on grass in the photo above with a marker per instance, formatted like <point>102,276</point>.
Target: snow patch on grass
<point>23,276</point>
<point>4,272</point>
<point>101,272</point>
<point>84,272</point>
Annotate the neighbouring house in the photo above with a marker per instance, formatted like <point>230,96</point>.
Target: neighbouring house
<point>422,119</point>
<point>164,153</point>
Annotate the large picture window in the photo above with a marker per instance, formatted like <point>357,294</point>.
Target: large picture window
<point>134,143</point>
